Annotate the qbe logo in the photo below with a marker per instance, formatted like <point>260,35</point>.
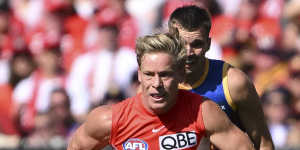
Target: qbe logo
<point>178,141</point>
<point>135,144</point>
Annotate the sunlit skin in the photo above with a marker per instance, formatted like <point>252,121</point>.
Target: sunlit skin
<point>197,44</point>
<point>159,78</point>
<point>159,74</point>
<point>242,91</point>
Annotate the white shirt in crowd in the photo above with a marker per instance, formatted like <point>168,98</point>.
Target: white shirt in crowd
<point>94,72</point>
<point>24,91</point>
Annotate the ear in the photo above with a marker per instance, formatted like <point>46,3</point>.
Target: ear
<point>181,74</point>
<point>139,75</point>
<point>208,44</point>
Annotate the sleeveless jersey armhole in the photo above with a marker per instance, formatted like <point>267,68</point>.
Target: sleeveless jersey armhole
<point>225,86</point>
<point>201,125</point>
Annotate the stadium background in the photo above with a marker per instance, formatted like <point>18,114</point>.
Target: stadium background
<point>61,58</point>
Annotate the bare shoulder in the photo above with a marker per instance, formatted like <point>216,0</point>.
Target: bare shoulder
<point>94,133</point>
<point>239,84</point>
<point>99,121</point>
<point>213,117</point>
<point>237,78</point>
<point>210,107</point>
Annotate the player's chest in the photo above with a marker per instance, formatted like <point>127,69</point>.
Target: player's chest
<point>158,136</point>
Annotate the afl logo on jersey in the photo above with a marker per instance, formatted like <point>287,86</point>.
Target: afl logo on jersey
<point>135,144</point>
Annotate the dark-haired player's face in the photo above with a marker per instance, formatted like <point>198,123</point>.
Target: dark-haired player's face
<point>159,79</point>
<point>196,43</point>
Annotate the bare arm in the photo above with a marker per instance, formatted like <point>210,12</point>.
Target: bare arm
<point>221,131</point>
<point>249,109</point>
<point>95,132</point>
<point>291,9</point>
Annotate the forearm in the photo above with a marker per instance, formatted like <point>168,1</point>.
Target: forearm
<point>258,131</point>
<point>266,144</point>
<point>234,141</point>
<point>262,141</point>
<point>76,142</point>
<point>247,146</point>
<point>242,142</point>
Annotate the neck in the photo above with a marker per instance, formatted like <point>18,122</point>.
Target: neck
<point>192,77</point>
<point>157,111</point>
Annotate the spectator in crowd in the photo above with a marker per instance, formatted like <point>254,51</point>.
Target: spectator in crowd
<point>269,70</point>
<point>113,96</point>
<point>114,11</point>
<point>293,137</point>
<point>289,44</point>
<point>98,70</point>
<point>276,103</point>
<point>52,128</point>
<point>294,80</point>
<point>5,47</point>
<point>9,137</point>
<point>62,121</point>
<point>21,66</point>
<point>32,95</point>
<point>41,135</point>
<point>134,85</point>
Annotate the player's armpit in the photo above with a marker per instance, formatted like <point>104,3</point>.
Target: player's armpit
<point>249,109</point>
<point>94,133</point>
<point>221,131</point>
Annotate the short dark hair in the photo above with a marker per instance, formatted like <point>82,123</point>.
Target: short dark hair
<point>110,27</point>
<point>190,18</point>
<point>286,95</point>
<point>64,92</point>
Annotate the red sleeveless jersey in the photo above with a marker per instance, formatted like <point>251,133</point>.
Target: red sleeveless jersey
<point>135,128</point>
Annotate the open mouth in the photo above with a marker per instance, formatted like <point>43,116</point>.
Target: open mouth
<point>190,61</point>
<point>157,96</point>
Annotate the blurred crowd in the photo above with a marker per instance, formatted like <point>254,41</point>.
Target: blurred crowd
<point>61,58</point>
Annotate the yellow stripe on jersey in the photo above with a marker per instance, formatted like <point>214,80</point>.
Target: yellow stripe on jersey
<point>200,81</point>
<point>226,88</point>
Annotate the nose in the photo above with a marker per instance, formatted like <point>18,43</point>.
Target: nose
<point>157,82</point>
<point>189,50</point>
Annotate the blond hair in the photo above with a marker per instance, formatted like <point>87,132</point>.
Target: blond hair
<point>164,42</point>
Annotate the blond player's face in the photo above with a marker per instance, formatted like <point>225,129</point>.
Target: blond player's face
<point>159,79</point>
